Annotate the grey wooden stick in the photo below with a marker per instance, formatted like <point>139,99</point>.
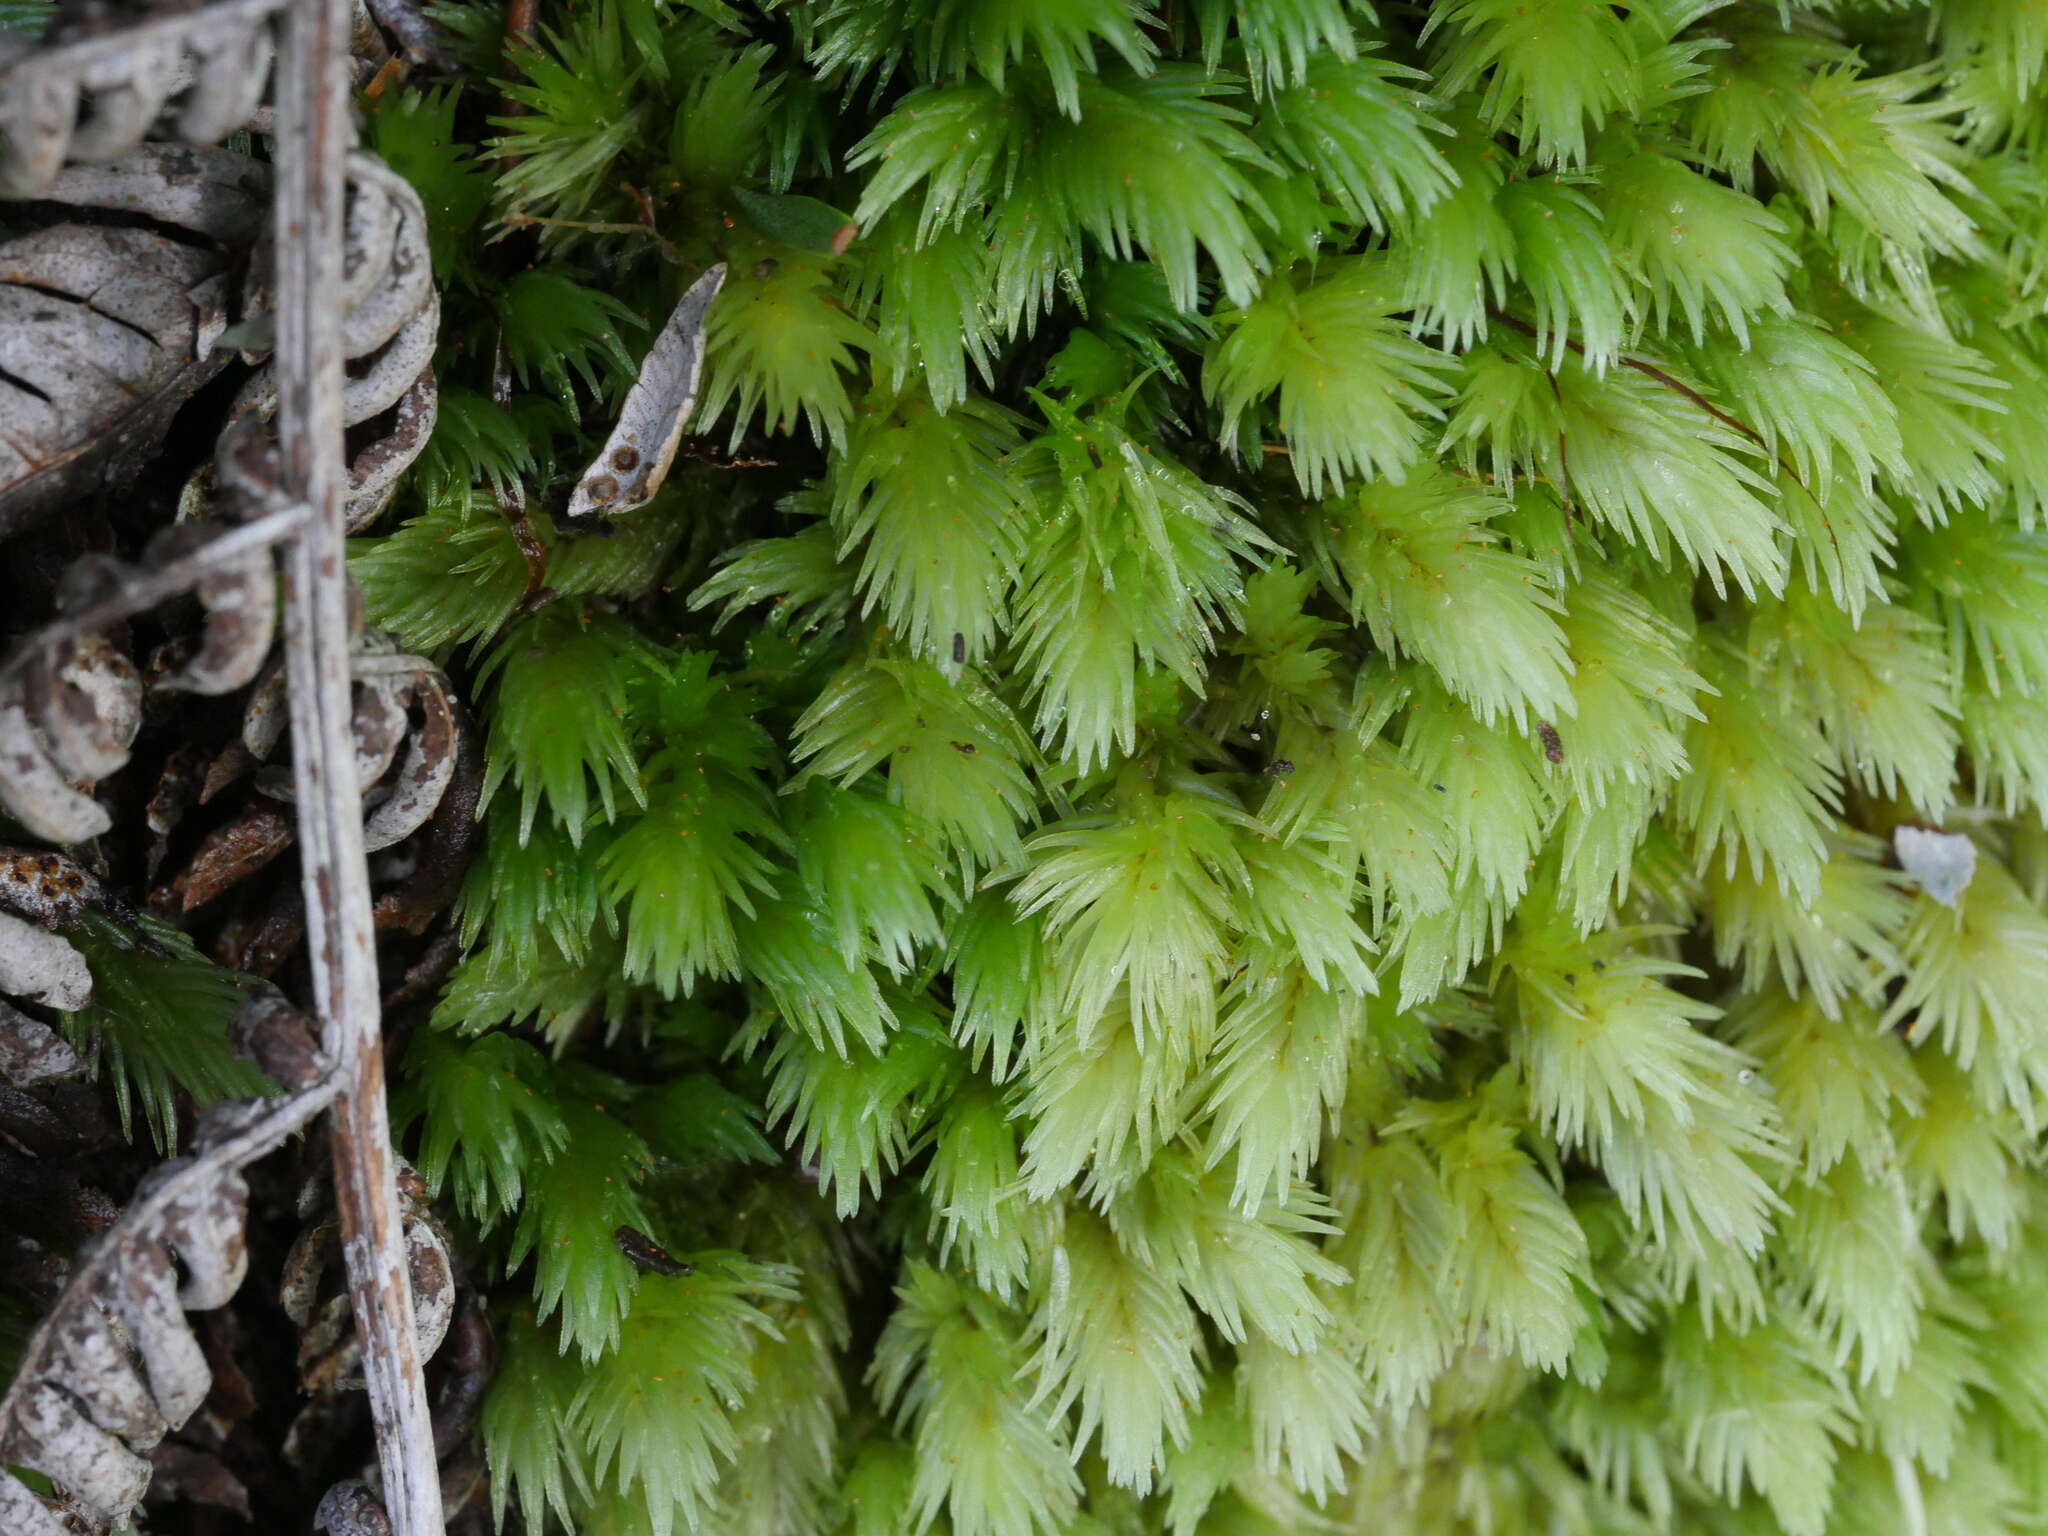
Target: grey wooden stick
<point>313,142</point>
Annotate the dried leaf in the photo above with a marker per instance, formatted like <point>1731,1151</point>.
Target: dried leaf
<point>178,788</point>
<point>232,853</point>
<point>186,1474</point>
<point>637,456</point>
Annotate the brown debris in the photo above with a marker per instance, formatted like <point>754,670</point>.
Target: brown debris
<point>232,853</point>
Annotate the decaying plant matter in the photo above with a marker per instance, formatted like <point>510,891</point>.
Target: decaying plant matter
<point>114,1366</point>
<point>121,325</point>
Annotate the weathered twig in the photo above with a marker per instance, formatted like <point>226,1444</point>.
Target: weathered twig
<point>144,589</point>
<point>310,218</point>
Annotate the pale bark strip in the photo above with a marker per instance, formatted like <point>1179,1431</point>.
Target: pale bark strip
<point>313,133</point>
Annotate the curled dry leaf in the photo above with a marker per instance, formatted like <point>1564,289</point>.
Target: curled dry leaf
<point>637,456</point>
<point>378,725</point>
<point>69,709</point>
<point>41,966</point>
<point>240,598</point>
<point>265,716</point>
<point>428,768</point>
<point>468,1360</point>
<point>391,315</point>
<point>374,473</point>
<point>71,702</point>
<point>93,98</point>
<point>389,688</point>
<point>114,1366</point>
<point>447,844</point>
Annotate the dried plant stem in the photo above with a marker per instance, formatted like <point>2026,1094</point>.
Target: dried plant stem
<point>314,134</point>
<point>145,589</point>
